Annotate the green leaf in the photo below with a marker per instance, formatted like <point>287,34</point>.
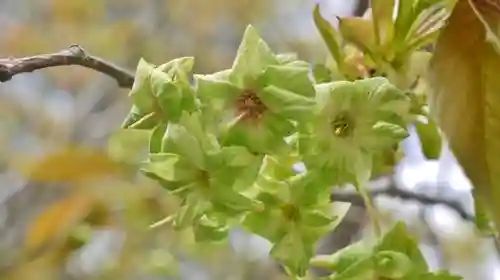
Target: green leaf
<point>170,167</point>
<point>481,219</point>
<point>329,35</point>
<point>141,92</point>
<point>404,20</point>
<point>430,139</point>
<point>253,56</point>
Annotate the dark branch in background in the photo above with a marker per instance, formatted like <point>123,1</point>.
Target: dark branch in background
<point>74,55</point>
<point>361,7</point>
<point>386,186</point>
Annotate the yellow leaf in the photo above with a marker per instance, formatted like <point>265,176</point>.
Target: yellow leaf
<point>465,97</point>
<point>70,165</point>
<point>57,220</point>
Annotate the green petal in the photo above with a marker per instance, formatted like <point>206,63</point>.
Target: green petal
<point>257,138</point>
<point>186,214</point>
<point>137,120</point>
<point>234,201</point>
<point>209,230</point>
<point>167,95</point>
<point>178,68</point>
<point>267,224</point>
<point>383,135</point>
<point>253,56</point>
<point>215,92</point>
<point>344,258</point>
<point>287,103</point>
<point>293,79</point>
<point>156,139</point>
<point>141,90</point>
<point>293,253</point>
<point>179,141</point>
<point>399,239</point>
<point>170,167</point>
<point>285,58</point>
<point>128,145</point>
<point>235,156</point>
<point>392,265</point>
<point>316,218</point>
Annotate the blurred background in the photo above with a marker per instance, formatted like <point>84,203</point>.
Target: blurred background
<point>51,230</point>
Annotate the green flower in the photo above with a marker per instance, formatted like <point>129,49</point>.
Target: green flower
<point>395,256</point>
<point>353,121</point>
<point>297,213</point>
<point>209,179</point>
<point>253,103</point>
<point>160,93</point>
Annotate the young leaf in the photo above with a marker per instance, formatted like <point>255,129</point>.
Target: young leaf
<point>329,35</point>
<point>141,90</point>
<point>382,11</point>
<point>430,139</point>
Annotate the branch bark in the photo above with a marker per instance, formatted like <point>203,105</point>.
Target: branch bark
<point>73,55</point>
<point>386,186</point>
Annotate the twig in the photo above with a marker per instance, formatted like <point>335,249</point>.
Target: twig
<point>74,55</point>
<point>386,186</point>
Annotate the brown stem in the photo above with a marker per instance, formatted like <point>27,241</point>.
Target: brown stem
<point>73,55</point>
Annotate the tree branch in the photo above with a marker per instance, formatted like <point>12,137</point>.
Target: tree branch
<point>74,55</point>
<point>386,186</point>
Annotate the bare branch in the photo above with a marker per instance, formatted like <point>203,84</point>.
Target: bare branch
<point>386,186</point>
<point>74,55</point>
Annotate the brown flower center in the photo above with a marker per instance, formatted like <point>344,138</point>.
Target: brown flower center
<point>290,212</point>
<point>249,106</point>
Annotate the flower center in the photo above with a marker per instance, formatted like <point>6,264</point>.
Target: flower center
<point>290,212</point>
<point>342,125</point>
<point>250,106</point>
